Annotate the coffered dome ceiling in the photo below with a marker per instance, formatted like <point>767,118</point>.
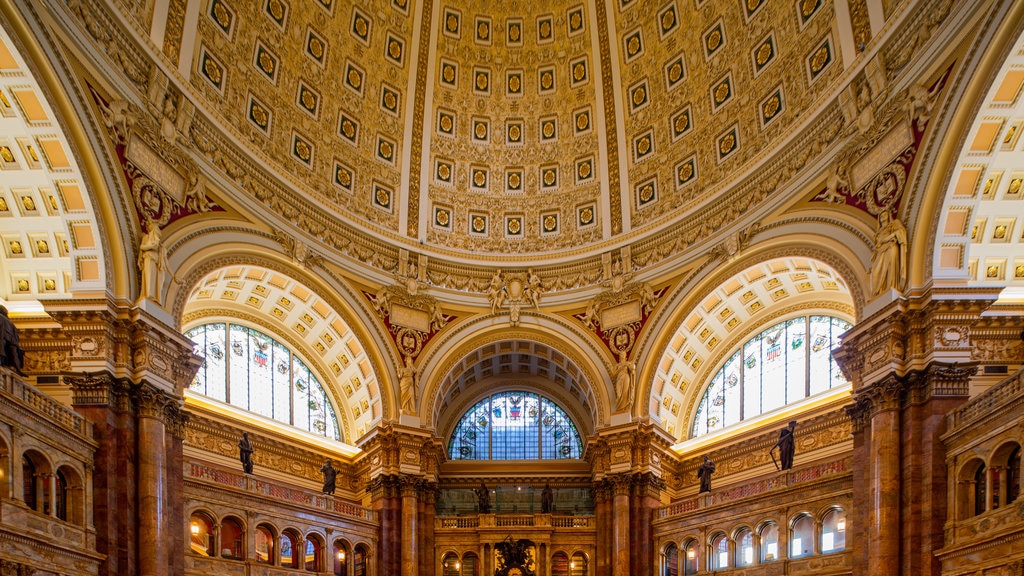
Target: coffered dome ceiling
<point>503,128</point>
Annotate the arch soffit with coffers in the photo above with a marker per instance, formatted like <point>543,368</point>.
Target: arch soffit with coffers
<point>685,298</point>
<point>341,300</point>
<point>557,335</point>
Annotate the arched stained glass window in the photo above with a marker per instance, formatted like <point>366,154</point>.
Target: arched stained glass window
<point>515,426</point>
<point>784,364</point>
<point>248,369</point>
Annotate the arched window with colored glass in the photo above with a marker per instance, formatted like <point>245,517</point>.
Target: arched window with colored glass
<point>515,426</point>
<point>784,364</point>
<point>248,369</point>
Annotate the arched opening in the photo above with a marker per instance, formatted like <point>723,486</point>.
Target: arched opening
<point>35,487</point>
<point>691,557</point>
<point>970,497</point>
<point>5,469</point>
<point>744,547</point>
<point>313,553</point>
<point>201,536</point>
<point>980,490</point>
<point>232,537</point>
<point>802,537</point>
<point>359,556</point>
<point>70,491</point>
<point>1013,476</point>
<point>264,544</point>
<point>470,565</point>
<point>769,542</point>
<point>670,564</point>
<point>833,531</point>
<point>342,554</point>
<point>1005,474</point>
<point>559,564</point>
<point>450,564</point>
<point>719,553</point>
<point>290,550</point>
<point>578,565</point>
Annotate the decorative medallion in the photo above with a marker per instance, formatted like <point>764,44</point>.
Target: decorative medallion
<point>451,21</point>
<point>639,95</point>
<point>764,54</point>
<point>668,20</point>
<point>584,170</point>
<point>514,83</point>
<point>514,32</point>
<point>574,20</point>
<point>728,142</point>
<point>721,92</point>
<point>401,5</point>
<point>548,177</point>
<point>348,128</point>
<point>545,29</point>
<point>443,171</point>
<point>752,6</point>
<point>806,9</point>
<point>360,26</point>
<point>354,78</point>
<point>686,171</point>
<point>643,145</point>
<point>302,149</point>
<point>675,72</point>
<point>385,150</point>
<point>514,226</point>
<point>327,4</point>
<point>771,106</point>
<point>481,130</point>
<point>514,132</point>
<point>449,74</point>
<point>549,223</point>
<point>277,10</point>
<point>222,15</point>
<point>819,59</point>
<point>585,216</point>
<point>394,49</point>
<point>647,192</point>
<point>212,70</point>
<point>581,121</point>
<point>265,62</point>
<point>478,178</point>
<point>389,98</point>
<point>446,122</point>
<point>308,99</point>
<point>482,81</point>
<point>316,47</point>
<point>549,128</point>
<point>343,176</point>
<point>258,114</point>
<point>382,196</point>
<point>443,218</point>
<point>680,123</point>
<point>633,45</point>
<point>482,28</point>
<point>578,72</point>
<point>714,39</point>
<point>546,80</point>
<point>514,180</point>
<point>477,223</point>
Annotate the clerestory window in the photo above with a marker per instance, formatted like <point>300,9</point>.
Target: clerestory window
<point>515,426</point>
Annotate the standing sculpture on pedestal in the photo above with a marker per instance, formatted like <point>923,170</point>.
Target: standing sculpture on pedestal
<point>786,446</point>
<point>11,354</point>
<point>330,477</point>
<point>483,499</point>
<point>889,259</point>
<point>704,472</point>
<point>245,453</point>
<point>546,500</point>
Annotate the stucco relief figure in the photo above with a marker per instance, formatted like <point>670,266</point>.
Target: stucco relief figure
<point>624,374</point>
<point>704,472</point>
<point>407,386</point>
<point>496,292</point>
<point>152,262</point>
<point>889,259</point>
<point>245,453</point>
<point>330,477</point>
<point>11,354</point>
<point>533,289</point>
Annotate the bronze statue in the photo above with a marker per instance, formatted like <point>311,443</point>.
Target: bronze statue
<point>11,354</point>
<point>245,453</point>
<point>330,477</point>
<point>483,499</point>
<point>786,446</point>
<point>704,472</point>
<point>546,500</point>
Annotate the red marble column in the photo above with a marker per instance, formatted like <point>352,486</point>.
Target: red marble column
<point>410,527</point>
<point>884,523</point>
<point>152,497</point>
<point>427,499</point>
<point>858,516</point>
<point>647,493</point>
<point>176,420</point>
<point>620,527</point>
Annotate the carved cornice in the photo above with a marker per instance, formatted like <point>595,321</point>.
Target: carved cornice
<point>100,388</point>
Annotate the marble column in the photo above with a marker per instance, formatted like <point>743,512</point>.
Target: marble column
<point>410,527</point>
<point>884,520</point>
<point>620,527</point>
<point>151,489</point>
<point>427,511</point>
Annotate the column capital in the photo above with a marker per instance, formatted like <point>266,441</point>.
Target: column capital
<point>100,388</point>
<point>149,402</point>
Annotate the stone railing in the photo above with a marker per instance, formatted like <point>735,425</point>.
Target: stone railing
<point>280,492</point>
<point>757,487</point>
<point>51,410</point>
<point>512,521</point>
<point>984,403</point>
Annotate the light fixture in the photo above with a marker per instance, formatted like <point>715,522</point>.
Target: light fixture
<point>572,565</point>
<point>458,565</point>
<point>195,528</point>
<point>691,554</point>
<point>341,555</point>
<point>841,525</point>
